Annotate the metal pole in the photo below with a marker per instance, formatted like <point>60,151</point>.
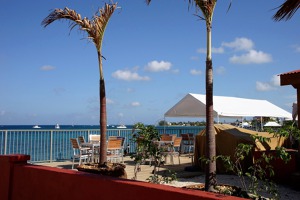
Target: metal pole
<point>51,145</point>
<point>5,142</point>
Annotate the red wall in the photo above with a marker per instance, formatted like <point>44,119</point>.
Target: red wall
<point>20,181</point>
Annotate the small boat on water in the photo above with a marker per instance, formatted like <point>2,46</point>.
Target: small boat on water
<point>57,126</point>
<point>121,126</point>
<point>36,126</point>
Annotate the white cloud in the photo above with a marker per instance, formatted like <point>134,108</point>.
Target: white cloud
<point>252,57</point>
<point>194,58</point>
<point>201,50</point>
<point>220,70</point>
<point>195,72</point>
<point>127,75</point>
<point>260,86</point>
<point>135,104</point>
<point>267,86</point>
<point>240,44</point>
<point>47,68</point>
<point>109,101</point>
<point>213,50</point>
<point>155,66</point>
<point>275,80</point>
<point>217,50</point>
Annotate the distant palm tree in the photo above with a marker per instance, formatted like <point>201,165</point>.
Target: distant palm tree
<point>207,7</point>
<point>287,10</point>
<point>95,29</point>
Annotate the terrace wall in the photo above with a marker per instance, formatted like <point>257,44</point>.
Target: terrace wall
<point>20,181</point>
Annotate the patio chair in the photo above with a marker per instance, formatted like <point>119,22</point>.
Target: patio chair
<point>188,144</point>
<point>122,145</point>
<point>174,150</point>
<point>81,153</point>
<point>94,138</point>
<point>81,139</point>
<point>92,150</point>
<point>166,138</point>
<point>114,149</point>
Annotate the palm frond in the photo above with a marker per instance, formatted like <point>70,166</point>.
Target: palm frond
<point>100,21</point>
<point>206,6</point>
<point>286,10</point>
<point>67,14</point>
<point>95,28</point>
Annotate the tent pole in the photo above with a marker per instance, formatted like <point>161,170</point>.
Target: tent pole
<point>164,124</point>
<point>242,122</point>
<point>261,124</point>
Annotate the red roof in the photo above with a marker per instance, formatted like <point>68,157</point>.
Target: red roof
<point>291,72</point>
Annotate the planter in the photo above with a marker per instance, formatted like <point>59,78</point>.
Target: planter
<point>108,169</point>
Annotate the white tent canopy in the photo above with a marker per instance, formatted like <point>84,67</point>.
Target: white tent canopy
<point>272,124</point>
<point>194,105</point>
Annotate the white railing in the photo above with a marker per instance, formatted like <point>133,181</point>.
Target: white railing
<point>52,145</point>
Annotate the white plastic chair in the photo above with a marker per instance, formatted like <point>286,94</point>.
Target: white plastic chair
<point>81,153</point>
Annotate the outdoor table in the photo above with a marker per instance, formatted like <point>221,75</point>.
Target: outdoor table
<point>167,145</point>
<point>92,146</point>
<point>163,143</point>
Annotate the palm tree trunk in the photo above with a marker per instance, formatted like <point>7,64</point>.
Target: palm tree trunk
<point>210,172</point>
<point>103,115</point>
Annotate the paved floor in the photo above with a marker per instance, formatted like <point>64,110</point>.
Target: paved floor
<point>184,169</point>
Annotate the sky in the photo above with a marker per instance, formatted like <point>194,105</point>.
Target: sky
<point>155,55</point>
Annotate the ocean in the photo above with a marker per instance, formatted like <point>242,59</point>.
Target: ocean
<point>64,127</point>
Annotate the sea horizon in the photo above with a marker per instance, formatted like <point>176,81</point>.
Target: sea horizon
<point>64,126</point>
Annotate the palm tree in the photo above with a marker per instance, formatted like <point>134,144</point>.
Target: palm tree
<point>207,7</point>
<point>95,29</point>
<point>286,10</point>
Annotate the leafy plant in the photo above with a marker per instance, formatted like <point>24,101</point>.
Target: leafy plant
<point>257,177</point>
<point>165,178</point>
<point>289,130</point>
<point>146,149</point>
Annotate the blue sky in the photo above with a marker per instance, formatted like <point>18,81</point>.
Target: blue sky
<point>155,55</point>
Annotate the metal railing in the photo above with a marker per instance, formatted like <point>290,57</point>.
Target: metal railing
<point>53,145</point>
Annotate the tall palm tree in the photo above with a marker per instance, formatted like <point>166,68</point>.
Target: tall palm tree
<point>95,29</point>
<point>207,7</point>
<point>287,10</point>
